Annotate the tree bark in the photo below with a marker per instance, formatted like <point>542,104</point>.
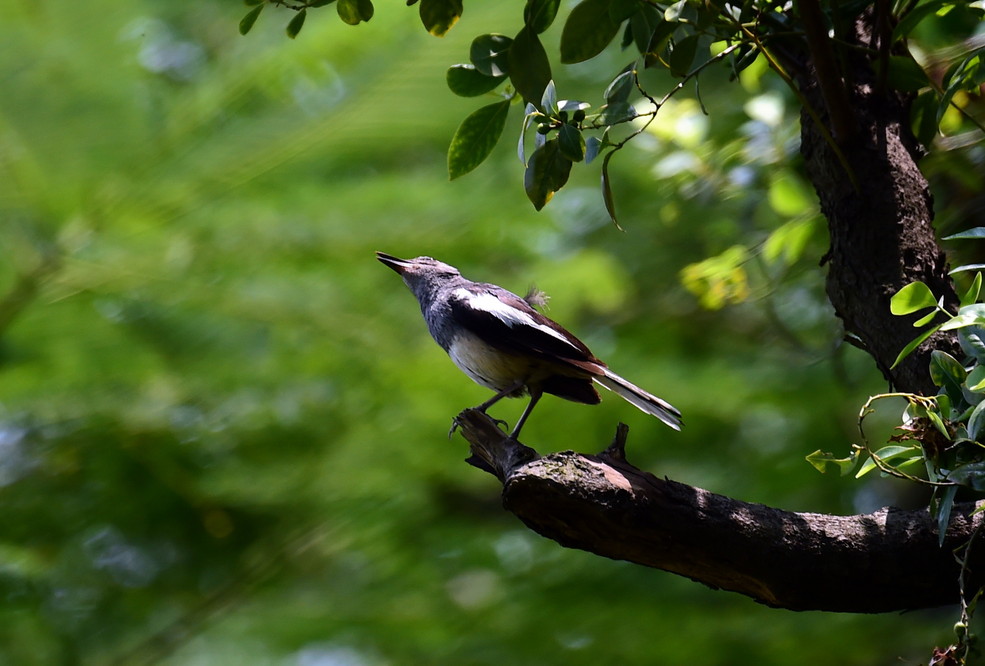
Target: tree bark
<point>878,205</point>
<point>889,560</point>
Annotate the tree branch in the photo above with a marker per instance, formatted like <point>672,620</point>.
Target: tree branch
<point>884,561</point>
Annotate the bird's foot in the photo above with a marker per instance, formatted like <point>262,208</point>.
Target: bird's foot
<point>456,422</point>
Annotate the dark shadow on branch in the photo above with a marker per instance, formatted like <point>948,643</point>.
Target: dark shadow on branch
<point>888,560</point>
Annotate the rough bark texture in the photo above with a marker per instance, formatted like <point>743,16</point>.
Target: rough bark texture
<point>885,561</point>
<point>879,211</point>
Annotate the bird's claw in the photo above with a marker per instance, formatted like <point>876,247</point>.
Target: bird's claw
<point>456,422</point>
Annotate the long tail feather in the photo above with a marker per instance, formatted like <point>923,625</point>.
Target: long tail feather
<point>641,399</point>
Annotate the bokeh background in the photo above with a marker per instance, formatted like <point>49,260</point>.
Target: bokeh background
<point>223,424</point>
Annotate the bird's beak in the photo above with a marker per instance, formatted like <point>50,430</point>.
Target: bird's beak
<point>399,265</point>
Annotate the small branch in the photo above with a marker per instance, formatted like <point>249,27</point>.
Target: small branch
<point>798,561</point>
<point>843,125</point>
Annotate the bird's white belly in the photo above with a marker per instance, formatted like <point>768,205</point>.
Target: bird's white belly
<point>486,365</point>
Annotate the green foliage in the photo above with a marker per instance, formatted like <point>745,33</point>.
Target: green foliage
<point>476,137</point>
<point>682,37</point>
<point>438,16</point>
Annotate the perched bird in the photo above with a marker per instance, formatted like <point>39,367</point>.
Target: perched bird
<point>501,342</point>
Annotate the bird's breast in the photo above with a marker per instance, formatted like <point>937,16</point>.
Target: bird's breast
<point>487,365</point>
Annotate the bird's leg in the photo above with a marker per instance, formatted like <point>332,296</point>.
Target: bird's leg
<point>534,397</point>
<point>512,388</point>
<point>515,386</point>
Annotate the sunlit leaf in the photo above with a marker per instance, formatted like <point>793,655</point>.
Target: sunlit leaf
<point>476,137</point>
<point>971,295</point>
<point>912,298</point>
<point>354,12</point>
<point>438,16</point>
<point>820,460</point>
<point>976,232</point>
<point>913,344</point>
<point>546,173</point>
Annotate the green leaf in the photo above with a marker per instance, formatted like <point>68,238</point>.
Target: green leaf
<point>548,102</point>
<point>438,16</point>
<point>476,137</point>
<point>976,420</point>
<point>538,15</point>
<point>588,30</point>
<point>680,11</point>
<point>246,23</point>
<point>906,75</point>
<point>923,117</point>
<point>972,341</point>
<point>968,315</point>
<point>886,454</point>
<point>915,16</point>
<point>296,23</point>
<point>529,113</point>
<point>644,23</point>
<point>941,510</point>
<point>946,372</point>
<point>974,289</point>
<point>971,475</point>
<point>916,342</point>
<point>620,10</point>
<point>354,12</point>
<point>976,232</point>
<point>617,112</point>
<point>491,54</point>
<point>912,298</point>
<point>923,321</point>
<point>976,379</point>
<point>607,199</point>
<point>467,81</point>
<point>530,69</point>
<point>546,173</point>
<point>821,459</point>
<point>622,86</point>
<point>966,267</point>
<point>592,146</point>
<point>680,58</point>
<point>571,142</point>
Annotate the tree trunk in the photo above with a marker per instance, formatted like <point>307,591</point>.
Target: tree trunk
<point>878,206</point>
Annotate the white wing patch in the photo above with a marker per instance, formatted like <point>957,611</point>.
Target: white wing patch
<point>510,316</point>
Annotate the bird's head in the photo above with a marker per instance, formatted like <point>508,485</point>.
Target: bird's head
<point>422,274</point>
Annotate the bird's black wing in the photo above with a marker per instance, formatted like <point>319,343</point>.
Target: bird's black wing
<point>505,321</point>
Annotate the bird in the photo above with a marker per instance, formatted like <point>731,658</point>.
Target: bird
<point>502,343</point>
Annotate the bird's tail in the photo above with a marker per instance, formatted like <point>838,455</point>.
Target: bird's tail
<point>636,396</point>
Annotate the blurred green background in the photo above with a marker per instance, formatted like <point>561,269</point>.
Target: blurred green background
<point>222,422</point>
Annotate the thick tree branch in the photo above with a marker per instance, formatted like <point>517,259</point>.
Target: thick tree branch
<point>882,235</point>
<point>884,561</point>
